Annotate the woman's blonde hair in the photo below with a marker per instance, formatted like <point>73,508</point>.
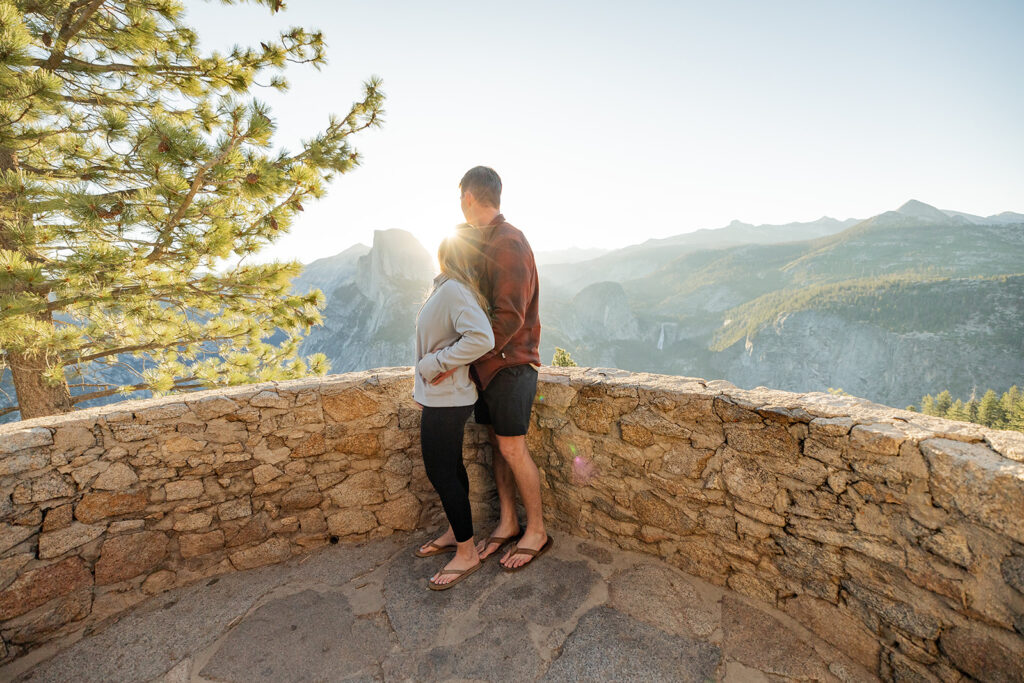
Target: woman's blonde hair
<point>457,258</point>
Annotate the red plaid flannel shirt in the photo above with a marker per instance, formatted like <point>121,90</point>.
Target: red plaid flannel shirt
<point>508,277</point>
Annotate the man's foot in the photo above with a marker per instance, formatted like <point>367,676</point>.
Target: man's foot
<point>457,562</point>
<point>486,548</point>
<point>444,540</point>
<point>529,540</point>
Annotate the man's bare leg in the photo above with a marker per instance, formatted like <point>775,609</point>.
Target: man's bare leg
<point>508,523</point>
<point>527,478</point>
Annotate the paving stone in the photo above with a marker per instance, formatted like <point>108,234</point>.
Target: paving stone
<point>503,650</point>
<point>662,597</point>
<point>594,552</point>
<point>546,594</point>
<point>494,626</point>
<point>414,610</point>
<point>610,646</point>
<point>149,640</point>
<point>302,637</point>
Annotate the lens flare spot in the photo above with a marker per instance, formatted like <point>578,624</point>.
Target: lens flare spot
<point>583,471</point>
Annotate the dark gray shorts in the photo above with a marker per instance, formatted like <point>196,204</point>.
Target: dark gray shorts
<point>507,401</point>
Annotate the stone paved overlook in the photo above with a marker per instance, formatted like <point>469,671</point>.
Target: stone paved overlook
<point>589,611</point>
<point>895,538</point>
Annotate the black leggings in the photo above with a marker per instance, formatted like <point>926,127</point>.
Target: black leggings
<point>441,442</point>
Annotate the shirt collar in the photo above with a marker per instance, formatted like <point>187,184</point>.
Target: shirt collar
<point>488,229</point>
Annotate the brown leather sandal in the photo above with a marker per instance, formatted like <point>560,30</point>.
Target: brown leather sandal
<point>501,541</point>
<point>462,572</point>
<point>439,550</point>
<point>516,550</point>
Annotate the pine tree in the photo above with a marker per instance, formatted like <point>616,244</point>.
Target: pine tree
<point>990,411</point>
<point>562,359</point>
<point>928,405</point>
<point>131,165</point>
<point>972,409</point>
<point>958,411</point>
<point>1015,420</point>
<point>1008,400</point>
<point>942,403</point>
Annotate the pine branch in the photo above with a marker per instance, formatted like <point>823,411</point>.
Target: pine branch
<point>167,232</point>
<point>178,384</point>
<point>154,345</point>
<point>70,29</point>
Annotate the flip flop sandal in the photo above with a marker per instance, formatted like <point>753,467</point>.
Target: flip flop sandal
<point>463,573</point>
<point>501,541</point>
<point>528,551</point>
<point>439,550</point>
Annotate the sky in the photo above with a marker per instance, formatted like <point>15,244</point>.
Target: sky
<point>614,122</point>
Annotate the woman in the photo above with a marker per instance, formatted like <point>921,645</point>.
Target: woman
<point>452,331</point>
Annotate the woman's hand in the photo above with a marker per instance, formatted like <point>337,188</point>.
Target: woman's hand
<point>443,376</point>
<point>447,373</point>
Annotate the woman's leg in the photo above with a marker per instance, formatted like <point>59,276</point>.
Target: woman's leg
<point>441,432</point>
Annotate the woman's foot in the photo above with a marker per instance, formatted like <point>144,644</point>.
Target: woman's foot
<point>509,530</point>
<point>465,558</point>
<point>445,539</point>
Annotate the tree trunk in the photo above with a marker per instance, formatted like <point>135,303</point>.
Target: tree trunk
<point>36,398</point>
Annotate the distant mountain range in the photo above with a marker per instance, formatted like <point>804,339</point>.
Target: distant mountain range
<point>908,302</point>
<point>889,308</point>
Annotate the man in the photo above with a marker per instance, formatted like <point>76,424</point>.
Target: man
<point>507,376</point>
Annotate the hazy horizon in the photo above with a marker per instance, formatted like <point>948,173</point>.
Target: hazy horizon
<point>575,247</point>
<point>611,125</point>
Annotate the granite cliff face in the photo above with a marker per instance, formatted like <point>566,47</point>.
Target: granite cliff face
<point>370,314</point>
<point>326,274</point>
<point>814,350</point>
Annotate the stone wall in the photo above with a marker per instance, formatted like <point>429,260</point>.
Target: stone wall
<point>897,537</point>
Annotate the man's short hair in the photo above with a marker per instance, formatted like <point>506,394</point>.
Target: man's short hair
<point>484,183</point>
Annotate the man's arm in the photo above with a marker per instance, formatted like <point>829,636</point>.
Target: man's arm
<point>511,292</point>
